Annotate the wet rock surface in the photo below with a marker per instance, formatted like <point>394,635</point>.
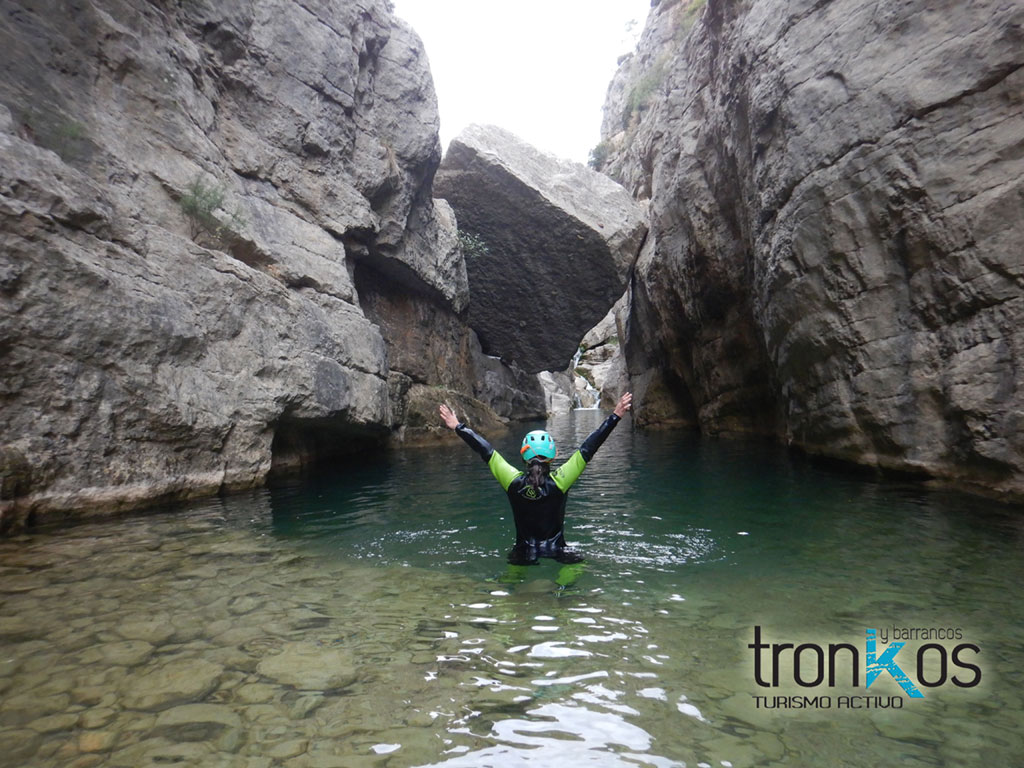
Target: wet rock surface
<point>835,206</point>
<point>551,243</point>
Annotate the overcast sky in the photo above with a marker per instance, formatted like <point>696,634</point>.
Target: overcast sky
<point>539,68</point>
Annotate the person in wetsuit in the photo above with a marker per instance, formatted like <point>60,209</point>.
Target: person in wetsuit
<point>538,495</point>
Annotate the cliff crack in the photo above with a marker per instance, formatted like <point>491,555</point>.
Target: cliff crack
<point>987,83</point>
<point>321,91</point>
<point>984,85</point>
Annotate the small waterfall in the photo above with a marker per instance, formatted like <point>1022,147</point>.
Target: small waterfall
<point>584,396</point>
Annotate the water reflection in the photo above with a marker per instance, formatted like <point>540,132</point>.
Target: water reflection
<point>561,735</point>
<point>564,701</point>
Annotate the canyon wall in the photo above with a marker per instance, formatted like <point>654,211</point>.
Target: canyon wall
<point>837,206</point>
<point>215,222</point>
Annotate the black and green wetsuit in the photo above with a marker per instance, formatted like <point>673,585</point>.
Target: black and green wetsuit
<point>539,512</point>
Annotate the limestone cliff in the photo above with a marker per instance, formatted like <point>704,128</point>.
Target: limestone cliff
<point>209,213</point>
<point>836,199</point>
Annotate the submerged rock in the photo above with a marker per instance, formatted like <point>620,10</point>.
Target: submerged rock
<point>127,653</point>
<point>201,722</point>
<point>18,745</point>
<point>176,682</point>
<point>309,667</point>
<point>548,244</point>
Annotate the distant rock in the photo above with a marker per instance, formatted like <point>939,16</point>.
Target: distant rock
<point>550,244</point>
<point>601,361</point>
<point>558,391</point>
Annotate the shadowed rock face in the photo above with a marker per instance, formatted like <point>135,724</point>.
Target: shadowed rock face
<point>836,211</point>
<point>186,190</point>
<point>555,243</point>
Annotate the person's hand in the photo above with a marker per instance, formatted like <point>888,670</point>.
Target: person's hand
<point>448,417</point>
<point>624,404</point>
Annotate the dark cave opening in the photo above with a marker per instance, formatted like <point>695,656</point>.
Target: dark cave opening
<point>305,447</point>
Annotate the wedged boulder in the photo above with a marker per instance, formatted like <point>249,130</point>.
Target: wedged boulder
<point>548,244</point>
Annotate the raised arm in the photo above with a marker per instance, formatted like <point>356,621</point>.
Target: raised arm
<point>598,436</point>
<point>503,472</point>
<point>569,473</point>
<point>469,437</point>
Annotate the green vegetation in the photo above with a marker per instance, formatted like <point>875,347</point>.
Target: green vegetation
<point>472,245</point>
<point>599,155</point>
<point>54,131</point>
<point>642,93</point>
<point>200,203</point>
<point>69,136</point>
<point>689,16</point>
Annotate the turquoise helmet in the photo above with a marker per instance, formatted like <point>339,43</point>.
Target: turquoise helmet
<point>538,445</point>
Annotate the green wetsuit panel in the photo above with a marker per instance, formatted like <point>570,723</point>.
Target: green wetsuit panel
<point>504,472</point>
<point>569,473</point>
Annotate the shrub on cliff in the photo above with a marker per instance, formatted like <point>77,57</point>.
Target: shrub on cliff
<point>472,245</point>
<point>642,93</point>
<point>200,204</point>
<point>55,131</point>
<point>599,155</point>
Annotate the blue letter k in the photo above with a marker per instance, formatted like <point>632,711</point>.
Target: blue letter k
<point>886,663</point>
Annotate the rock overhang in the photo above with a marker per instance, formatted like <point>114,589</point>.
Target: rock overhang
<point>553,244</point>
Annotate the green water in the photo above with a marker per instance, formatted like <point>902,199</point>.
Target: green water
<point>368,619</point>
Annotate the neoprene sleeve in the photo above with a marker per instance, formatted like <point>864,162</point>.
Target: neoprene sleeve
<point>598,436</point>
<point>503,472</point>
<point>474,441</point>
<point>564,476</point>
<point>570,472</point>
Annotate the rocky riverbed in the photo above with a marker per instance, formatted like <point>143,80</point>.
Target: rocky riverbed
<point>217,635</point>
<point>196,638</point>
<point>178,640</point>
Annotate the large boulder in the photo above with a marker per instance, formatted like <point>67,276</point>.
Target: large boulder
<point>548,244</point>
<point>834,255</point>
